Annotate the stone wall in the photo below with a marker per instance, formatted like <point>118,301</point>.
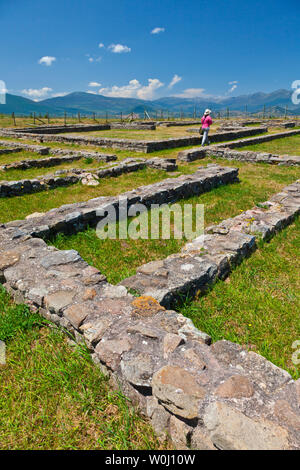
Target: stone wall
<point>8,151</point>
<point>70,156</point>
<point>63,129</point>
<point>203,395</point>
<point>149,126</point>
<point>19,146</point>
<point>144,146</point>
<point>72,218</point>
<point>254,157</point>
<point>232,134</point>
<point>222,247</point>
<point>177,123</point>
<point>75,175</point>
<point>200,152</point>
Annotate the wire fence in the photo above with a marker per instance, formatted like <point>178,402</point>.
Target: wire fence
<point>38,119</point>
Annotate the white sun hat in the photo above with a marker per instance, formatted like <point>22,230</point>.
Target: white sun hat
<point>207,111</point>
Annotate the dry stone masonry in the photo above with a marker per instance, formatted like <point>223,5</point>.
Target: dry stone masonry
<point>5,151</point>
<point>203,395</point>
<point>72,218</point>
<point>213,255</point>
<point>145,146</point>
<point>224,150</point>
<point>75,175</point>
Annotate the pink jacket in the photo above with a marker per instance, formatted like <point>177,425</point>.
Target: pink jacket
<point>206,122</point>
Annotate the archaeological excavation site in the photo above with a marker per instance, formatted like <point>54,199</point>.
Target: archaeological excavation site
<point>196,334</point>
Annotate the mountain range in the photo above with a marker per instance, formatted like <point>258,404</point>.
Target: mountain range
<point>88,103</point>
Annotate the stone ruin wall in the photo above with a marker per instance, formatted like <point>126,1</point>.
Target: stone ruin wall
<point>202,395</point>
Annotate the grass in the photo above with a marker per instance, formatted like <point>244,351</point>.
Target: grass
<point>53,397</point>
<point>18,156</point>
<point>286,145</point>
<point>15,175</point>
<point>140,134</point>
<point>258,305</point>
<point>267,176</point>
<point>21,206</point>
<point>258,182</point>
<point>27,121</point>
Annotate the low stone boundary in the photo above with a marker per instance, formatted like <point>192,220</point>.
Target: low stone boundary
<point>200,152</point>
<point>75,175</point>
<point>232,134</point>
<point>203,396</point>
<point>54,161</point>
<point>254,157</point>
<point>177,123</point>
<point>214,254</point>
<point>19,147</point>
<point>72,218</point>
<point>284,125</point>
<point>8,151</point>
<point>144,146</point>
<point>63,129</point>
<point>149,125</point>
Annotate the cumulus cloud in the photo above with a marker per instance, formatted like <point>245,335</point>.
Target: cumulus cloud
<point>158,30</point>
<point>94,84</point>
<point>134,89</point>
<point>191,93</point>
<point>174,80</point>
<point>36,94</point>
<point>233,86</point>
<point>148,92</point>
<point>119,48</point>
<point>101,45</point>
<point>47,60</point>
<point>93,59</point>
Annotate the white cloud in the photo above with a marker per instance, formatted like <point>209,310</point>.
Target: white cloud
<point>91,92</point>
<point>57,95</point>
<point>148,92</point>
<point>119,48</point>
<point>126,91</point>
<point>94,59</point>
<point>233,86</point>
<point>101,45</point>
<point>94,84</point>
<point>37,93</point>
<point>174,80</point>
<point>134,89</point>
<point>157,30</point>
<point>191,93</point>
<point>47,60</point>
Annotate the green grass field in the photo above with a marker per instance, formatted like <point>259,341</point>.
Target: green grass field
<point>53,397</point>
<point>257,183</point>
<point>259,304</point>
<point>15,175</point>
<point>284,146</point>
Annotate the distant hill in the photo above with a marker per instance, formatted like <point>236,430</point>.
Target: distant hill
<point>88,103</point>
<point>20,105</point>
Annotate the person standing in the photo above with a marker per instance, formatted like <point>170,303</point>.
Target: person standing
<point>206,122</point>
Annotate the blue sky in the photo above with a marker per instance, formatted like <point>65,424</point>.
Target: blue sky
<point>148,49</point>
